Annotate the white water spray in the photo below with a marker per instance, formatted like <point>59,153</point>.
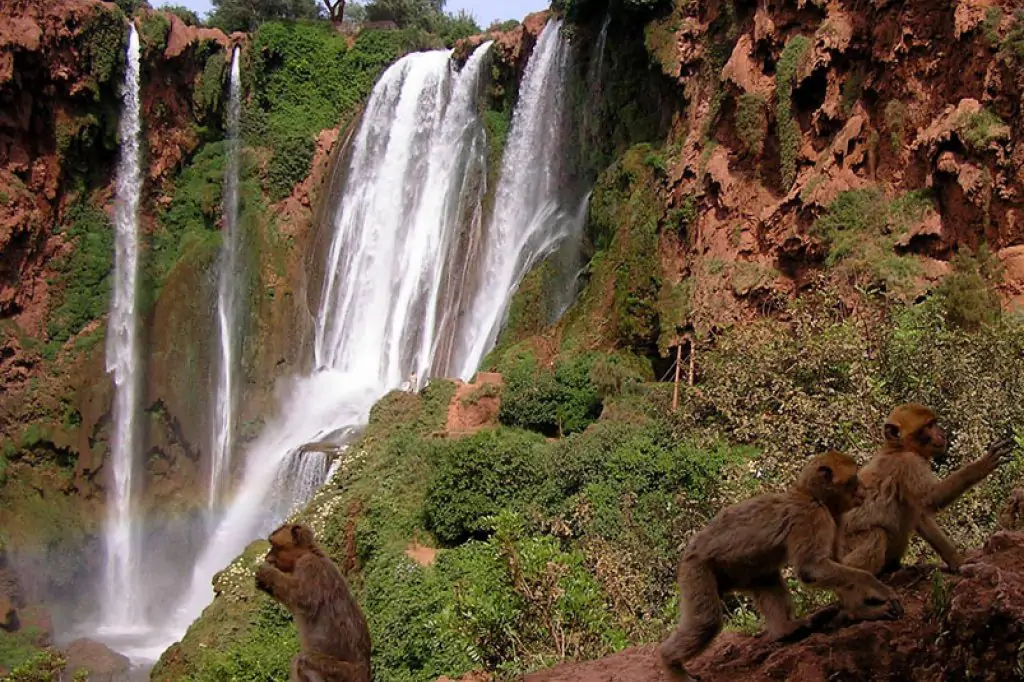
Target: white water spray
<point>529,221</point>
<point>392,281</point>
<point>227,299</point>
<point>123,606</point>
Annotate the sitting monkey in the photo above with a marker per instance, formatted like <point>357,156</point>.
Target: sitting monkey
<point>334,642</point>
<point>745,547</point>
<point>902,495</point>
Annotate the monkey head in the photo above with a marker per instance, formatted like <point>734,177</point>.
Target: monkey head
<point>914,428</point>
<point>288,544</point>
<point>831,479</point>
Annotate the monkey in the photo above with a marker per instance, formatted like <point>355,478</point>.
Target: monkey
<point>745,546</point>
<point>334,641</point>
<point>902,495</point>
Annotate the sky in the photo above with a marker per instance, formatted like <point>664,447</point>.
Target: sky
<point>485,11</point>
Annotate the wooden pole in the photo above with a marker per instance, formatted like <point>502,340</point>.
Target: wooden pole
<point>675,389</point>
<point>693,358</point>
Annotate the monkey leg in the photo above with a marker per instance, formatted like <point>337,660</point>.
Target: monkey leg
<point>773,600</point>
<point>700,618</point>
<point>867,551</point>
<point>315,667</point>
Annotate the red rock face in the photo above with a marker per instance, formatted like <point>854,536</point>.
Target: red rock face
<point>954,624</point>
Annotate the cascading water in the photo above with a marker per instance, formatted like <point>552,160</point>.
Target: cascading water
<point>227,288</point>
<point>415,183</point>
<point>530,220</point>
<point>123,608</point>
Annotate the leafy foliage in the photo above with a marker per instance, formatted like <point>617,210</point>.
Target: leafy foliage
<point>967,295</point>
<point>471,481</point>
<point>187,16</point>
<point>558,402</point>
<point>980,129</point>
<point>425,15</point>
<point>84,274</point>
<point>752,122</point>
<point>103,39</point>
<point>625,213</point>
<point>248,15</point>
<point>304,78</point>
<point>861,228</point>
<point>154,29</point>
<point>786,125</point>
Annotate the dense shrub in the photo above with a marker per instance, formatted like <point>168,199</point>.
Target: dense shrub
<point>304,78</point>
<point>562,401</point>
<point>787,127</point>
<point>471,480</point>
<point>264,653</point>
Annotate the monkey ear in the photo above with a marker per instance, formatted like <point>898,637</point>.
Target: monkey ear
<point>825,473</point>
<point>302,536</point>
<point>892,432</point>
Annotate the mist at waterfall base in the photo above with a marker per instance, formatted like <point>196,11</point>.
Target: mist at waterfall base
<point>417,284</point>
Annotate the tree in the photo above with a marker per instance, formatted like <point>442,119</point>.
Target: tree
<point>247,15</point>
<point>335,10</point>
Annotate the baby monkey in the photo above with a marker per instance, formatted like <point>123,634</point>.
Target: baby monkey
<point>745,547</point>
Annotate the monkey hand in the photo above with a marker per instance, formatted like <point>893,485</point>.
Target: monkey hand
<point>265,577</point>
<point>999,453</point>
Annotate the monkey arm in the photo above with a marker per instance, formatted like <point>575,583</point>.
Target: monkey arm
<point>281,586</point>
<point>948,490</point>
<point>930,531</point>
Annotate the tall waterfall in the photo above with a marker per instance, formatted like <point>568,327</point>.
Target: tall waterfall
<point>122,605</point>
<point>404,234</point>
<point>530,220</point>
<point>227,299</point>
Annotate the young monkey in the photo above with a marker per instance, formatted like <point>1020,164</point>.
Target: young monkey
<point>902,495</point>
<point>745,547</point>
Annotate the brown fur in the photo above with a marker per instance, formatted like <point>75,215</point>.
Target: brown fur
<point>746,545</point>
<point>902,495</point>
<point>334,642</point>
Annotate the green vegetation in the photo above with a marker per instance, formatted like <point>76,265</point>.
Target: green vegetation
<point>625,212</point>
<point>786,125</point>
<point>303,78</point>
<point>154,30</point>
<point>83,280</point>
<point>187,16</point>
<point>861,228</point>
<point>44,665</point>
<point>103,43</point>
<point>895,123</point>
<point>210,89</point>
<point>751,122</point>
<point>561,401</point>
<point>425,15</point>
<point>247,15</point>
<point>853,88</point>
<point>967,295</point>
<point>980,129</point>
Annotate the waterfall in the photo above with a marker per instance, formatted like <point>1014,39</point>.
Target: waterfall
<point>123,608</point>
<point>530,220</point>
<point>227,295</point>
<point>404,235</point>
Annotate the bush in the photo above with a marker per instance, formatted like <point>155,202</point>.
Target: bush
<point>473,478</point>
<point>560,402</point>
<point>264,653</point>
<point>967,295</point>
<point>187,16</point>
<point>751,122</point>
<point>303,79</point>
<point>861,228</point>
<point>787,127</point>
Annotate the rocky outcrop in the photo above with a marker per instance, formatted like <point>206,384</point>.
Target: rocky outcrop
<point>955,626</point>
<point>880,98</point>
<point>98,661</point>
<point>475,405</point>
